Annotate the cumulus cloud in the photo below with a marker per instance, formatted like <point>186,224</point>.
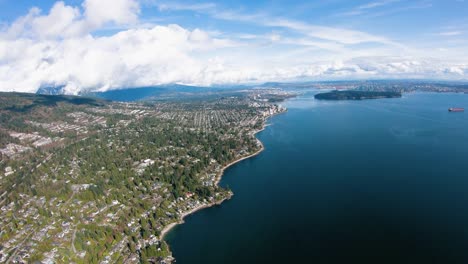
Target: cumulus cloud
<point>99,12</point>
<point>58,48</point>
<point>65,21</point>
<point>129,58</point>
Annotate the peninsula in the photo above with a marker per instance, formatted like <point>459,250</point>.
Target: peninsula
<point>84,180</point>
<point>356,95</point>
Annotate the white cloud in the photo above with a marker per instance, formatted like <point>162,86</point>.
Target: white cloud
<point>450,33</point>
<point>179,7</point>
<point>99,12</point>
<point>368,7</point>
<point>375,4</point>
<point>339,35</point>
<point>64,21</point>
<point>331,34</point>
<point>61,21</point>
<point>163,54</point>
<point>59,49</point>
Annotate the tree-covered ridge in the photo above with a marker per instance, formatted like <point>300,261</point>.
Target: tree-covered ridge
<point>356,95</point>
<point>97,182</point>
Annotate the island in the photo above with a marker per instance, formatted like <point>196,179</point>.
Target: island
<point>356,95</point>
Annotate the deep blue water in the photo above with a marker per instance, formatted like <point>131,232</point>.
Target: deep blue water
<point>378,181</point>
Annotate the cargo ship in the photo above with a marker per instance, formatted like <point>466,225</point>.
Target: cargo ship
<point>456,109</point>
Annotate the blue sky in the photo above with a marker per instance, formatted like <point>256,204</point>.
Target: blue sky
<point>233,41</point>
<point>399,19</point>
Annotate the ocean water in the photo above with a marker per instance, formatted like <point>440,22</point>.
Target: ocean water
<point>377,181</point>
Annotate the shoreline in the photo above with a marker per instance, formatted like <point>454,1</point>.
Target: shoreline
<point>169,227</point>
<point>262,148</point>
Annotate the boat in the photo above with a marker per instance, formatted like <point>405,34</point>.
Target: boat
<point>456,109</point>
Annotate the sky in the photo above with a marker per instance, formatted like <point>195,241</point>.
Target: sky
<point>98,45</point>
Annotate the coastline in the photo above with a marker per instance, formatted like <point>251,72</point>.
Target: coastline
<point>262,148</point>
<point>169,227</point>
<point>219,176</point>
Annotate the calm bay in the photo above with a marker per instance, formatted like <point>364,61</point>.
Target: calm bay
<point>375,181</point>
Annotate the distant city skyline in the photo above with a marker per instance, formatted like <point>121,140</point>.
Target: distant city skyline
<point>97,45</point>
